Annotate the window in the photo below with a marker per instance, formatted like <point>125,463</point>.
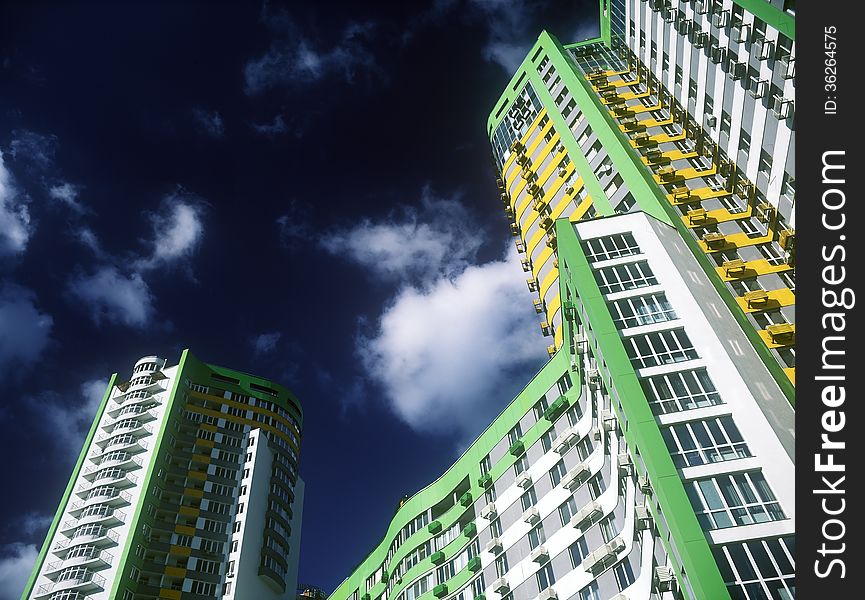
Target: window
<point>578,551</point>
<point>733,499</point>
<point>545,576</point>
<point>557,472</point>
<point>629,276</point>
<point>529,498</point>
<point>642,310</point>
<point>540,407</point>
<point>496,527</point>
<point>659,348</point>
<point>203,588</point>
<point>486,465</point>
<point>536,536</point>
<point>703,442</point>
<point>521,465</point>
<point>564,383</point>
<point>763,568</point>
<point>206,566</point>
<point>547,440</point>
<point>590,592</point>
<point>567,510</point>
<point>501,564</point>
<point>596,486</point>
<point>611,246</point>
<point>624,574</point>
<point>515,434</point>
<point>608,527</point>
<point>683,390</point>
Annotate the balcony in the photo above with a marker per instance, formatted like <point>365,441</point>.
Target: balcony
<point>85,583</point>
<point>488,512</point>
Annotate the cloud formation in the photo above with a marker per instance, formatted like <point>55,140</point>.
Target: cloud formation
<point>451,355</point>
<point>275,127</point>
<point>15,227</point>
<point>437,239</point>
<point>68,417</point>
<point>177,230</point>
<point>16,562</point>
<point>109,295</point>
<point>25,331</point>
<point>294,58</point>
<point>32,149</point>
<point>209,122</point>
<point>67,194</point>
<point>265,343</point>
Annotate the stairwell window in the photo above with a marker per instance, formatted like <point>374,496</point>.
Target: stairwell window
<point>629,276</point>
<point>730,500</point>
<point>660,348</point>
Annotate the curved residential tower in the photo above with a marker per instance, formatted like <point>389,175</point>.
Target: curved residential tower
<point>187,487</point>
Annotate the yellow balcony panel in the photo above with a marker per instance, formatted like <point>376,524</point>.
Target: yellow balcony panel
<point>715,240</point>
<point>722,215</point>
<point>615,73</point>
<point>184,529</point>
<point>180,550</point>
<point>197,475</point>
<point>208,427</point>
<point>707,193</point>
<point>636,95</point>
<point>786,238</point>
<point>753,268</point>
<point>581,209</point>
<point>756,298</point>
<point>697,215</point>
<point>203,458</point>
<point>205,443</point>
<point>791,374</point>
<point>680,155</point>
<point>193,492</point>
<point>189,511</point>
<point>170,594</point>
<point>518,146</point>
<point>734,268</point>
<point>782,333</point>
<point>551,350</point>
<point>174,572</point>
<point>664,138</point>
<point>644,109</point>
<point>761,300</point>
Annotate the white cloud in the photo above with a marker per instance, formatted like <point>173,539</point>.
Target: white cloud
<point>68,194</point>
<point>265,343</point>
<point>15,227</point>
<point>34,149</point>
<point>508,38</point>
<point>209,121</point>
<point>293,58</point>
<point>109,295</point>
<point>450,356</point>
<point>177,230</point>
<point>275,127</point>
<point>35,524</point>
<point>68,418</point>
<point>436,239</point>
<point>24,330</point>
<point>16,563</point>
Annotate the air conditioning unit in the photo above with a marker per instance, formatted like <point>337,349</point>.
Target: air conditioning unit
<point>664,578</point>
<point>608,419</point>
<point>643,517</point>
<point>624,459</point>
<point>527,264</point>
<point>494,545</point>
<point>501,586</point>
<point>488,512</point>
<point>758,88</point>
<point>596,435</point>
<point>616,545</point>
<point>645,485</point>
<point>564,441</point>
<point>524,480</point>
<point>539,305</point>
<point>532,283</point>
<point>669,15</point>
<point>593,377</point>
<point>782,107</point>
<point>741,33</point>
<point>545,328</point>
<point>540,554</point>
<point>531,516</point>
<point>548,594</point>
<point>711,120</point>
<point>737,71</point>
<point>788,66</point>
<point>684,26</point>
<point>521,246</point>
<point>701,7</point>
<point>700,39</point>
<point>763,49</point>
<point>576,476</point>
<point>720,19</point>
<point>586,515</point>
<point>563,172</point>
<point>717,55</point>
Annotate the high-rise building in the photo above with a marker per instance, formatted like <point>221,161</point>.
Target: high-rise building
<point>648,177</point>
<point>187,487</point>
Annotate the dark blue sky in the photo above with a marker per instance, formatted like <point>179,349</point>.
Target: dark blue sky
<point>302,191</point>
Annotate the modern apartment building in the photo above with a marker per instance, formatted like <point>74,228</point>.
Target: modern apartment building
<point>649,180</point>
<point>187,487</point>
<point>683,110</point>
